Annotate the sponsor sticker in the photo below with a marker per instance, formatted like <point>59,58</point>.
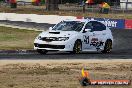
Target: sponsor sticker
<point>111,23</point>
<point>85,80</point>
<point>128,24</point>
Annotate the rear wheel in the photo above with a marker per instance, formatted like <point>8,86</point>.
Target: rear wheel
<point>41,51</point>
<point>77,47</point>
<point>107,47</point>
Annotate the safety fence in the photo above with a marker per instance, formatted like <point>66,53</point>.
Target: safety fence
<point>115,8</point>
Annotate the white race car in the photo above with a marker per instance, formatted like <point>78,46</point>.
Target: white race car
<point>75,36</point>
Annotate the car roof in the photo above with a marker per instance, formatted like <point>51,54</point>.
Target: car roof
<point>81,20</point>
<point>84,20</point>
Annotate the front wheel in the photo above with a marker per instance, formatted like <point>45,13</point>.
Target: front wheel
<point>77,47</point>
<point>41,51</point>
<point>107,47</point>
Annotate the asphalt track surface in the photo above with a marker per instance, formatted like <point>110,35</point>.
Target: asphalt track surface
<point>122,46</point>
<point>63,55</point>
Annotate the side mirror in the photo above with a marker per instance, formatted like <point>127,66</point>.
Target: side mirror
<point>50,28</point>
<point>87,30</point>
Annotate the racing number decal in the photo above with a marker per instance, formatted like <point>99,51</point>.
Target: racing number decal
<point>86,39</point>
<point>95,42</point>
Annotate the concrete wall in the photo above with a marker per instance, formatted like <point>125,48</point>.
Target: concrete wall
<point>50,19</point>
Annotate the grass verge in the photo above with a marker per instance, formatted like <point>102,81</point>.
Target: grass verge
<point>15,39</point>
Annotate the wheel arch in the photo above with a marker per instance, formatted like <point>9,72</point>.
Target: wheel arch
<point>107,50</point>
<point>75,44</point>
<point>109,40</point>
<point>79,41</point>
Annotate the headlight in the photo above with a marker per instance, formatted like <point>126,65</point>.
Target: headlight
<point>62,38</point>
<point>38,37</point>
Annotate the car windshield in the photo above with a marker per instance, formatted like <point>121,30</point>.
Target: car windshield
<point>69,26</point>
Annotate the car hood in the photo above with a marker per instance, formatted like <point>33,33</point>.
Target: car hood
<point>58,33</point>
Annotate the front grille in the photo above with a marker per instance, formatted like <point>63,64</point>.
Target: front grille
<point>49,46</point>
<point>49,39</point>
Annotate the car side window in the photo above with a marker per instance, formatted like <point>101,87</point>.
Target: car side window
<point>78,27</point>
<point>89,25</point>
<point>97,26</point>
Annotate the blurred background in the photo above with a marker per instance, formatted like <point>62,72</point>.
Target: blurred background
<point>85,6</point>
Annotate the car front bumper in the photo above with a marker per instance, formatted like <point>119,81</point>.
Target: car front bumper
<point>54,45</point>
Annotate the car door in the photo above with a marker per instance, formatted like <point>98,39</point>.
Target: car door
<point>87,36</point>
<point>98,31</point>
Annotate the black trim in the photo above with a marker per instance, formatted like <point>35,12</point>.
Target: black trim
<point>54,32</point>
<point>49,46</point>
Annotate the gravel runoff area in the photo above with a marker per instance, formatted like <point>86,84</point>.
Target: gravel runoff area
<point>61,73</point>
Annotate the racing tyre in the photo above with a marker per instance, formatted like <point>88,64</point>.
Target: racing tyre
<point>41,51</point>
<point>77,47</point>
<point>107,47</point>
